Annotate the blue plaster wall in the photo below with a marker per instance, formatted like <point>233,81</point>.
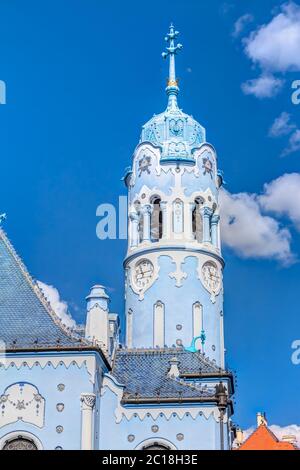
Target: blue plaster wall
<point>76,380</point>
<point>178,308</point>
<point>164,182</point>
<point>199,433</point>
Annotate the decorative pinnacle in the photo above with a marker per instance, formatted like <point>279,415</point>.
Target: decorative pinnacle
<point>2,218</point>
<point>172,49</point>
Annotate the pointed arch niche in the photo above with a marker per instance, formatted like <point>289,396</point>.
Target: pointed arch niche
<point>197,221</point>
<point>159,325</point>
<point>129,323</point>
<point>156,219</point>
<point>197,322</point>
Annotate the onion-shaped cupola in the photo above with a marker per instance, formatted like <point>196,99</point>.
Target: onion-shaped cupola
<point>176,133</point>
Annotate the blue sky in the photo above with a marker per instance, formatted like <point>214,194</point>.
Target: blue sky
<point>82,77</point>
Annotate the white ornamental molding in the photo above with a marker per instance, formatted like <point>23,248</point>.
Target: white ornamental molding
<point>178,274</point>
<point>146,160</point>
<point>89,362</point>
<point>22,402</point>
<point>206,162</point>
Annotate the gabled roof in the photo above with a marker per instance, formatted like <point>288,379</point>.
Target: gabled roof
<point>144,373</point>
<point>27,320</point>
<point>264,439</point>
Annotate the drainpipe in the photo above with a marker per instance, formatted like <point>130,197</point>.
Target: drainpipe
<point>221,394</point>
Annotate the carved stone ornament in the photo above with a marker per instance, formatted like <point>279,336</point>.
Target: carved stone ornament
<point>146,158</point>
<point>145,164</point>
<point>178,274</point>
<point>176,127</point>
<point>207,166</point>
<point>22,401</point>
<point>88,400</point>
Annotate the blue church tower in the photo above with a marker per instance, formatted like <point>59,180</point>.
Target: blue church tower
<point>167,387</point>
<point>174,288</point>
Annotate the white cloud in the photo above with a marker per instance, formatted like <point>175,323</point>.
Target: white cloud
<point>250,233</point>
<point>282,197</point>
<point>279,431</point>
<point>265,86</point>
<point>291,430</point>
<point>59,306</point>
<point>282,126</point>
<point>294,143</point>
<point>275,46</point>
<point>241,23</point>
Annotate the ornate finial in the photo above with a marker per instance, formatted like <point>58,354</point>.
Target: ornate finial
<point>2,218</point>
<point>172,88</point>
<point>203,338</point>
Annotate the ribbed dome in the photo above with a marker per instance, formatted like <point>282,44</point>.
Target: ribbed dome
<point>177,133</point>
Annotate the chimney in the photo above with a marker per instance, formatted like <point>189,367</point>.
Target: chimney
<point>239,437</point>
<point>261,419</point>
<point>97,319</point>
<point>173,371</point>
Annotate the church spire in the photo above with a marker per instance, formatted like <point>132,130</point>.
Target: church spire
<point>172,87</point>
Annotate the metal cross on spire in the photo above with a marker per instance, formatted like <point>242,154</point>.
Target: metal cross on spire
<point>172,49</point>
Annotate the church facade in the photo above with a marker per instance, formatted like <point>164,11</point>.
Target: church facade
<point>167,386</point>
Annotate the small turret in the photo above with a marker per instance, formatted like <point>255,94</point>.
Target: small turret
<point>97,321</point>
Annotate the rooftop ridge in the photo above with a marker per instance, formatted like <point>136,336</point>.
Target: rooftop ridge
<point>38,292</point>
<point>164,351</point>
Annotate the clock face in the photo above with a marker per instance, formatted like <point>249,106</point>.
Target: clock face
<point>143,274</point>
<point>211,276</point>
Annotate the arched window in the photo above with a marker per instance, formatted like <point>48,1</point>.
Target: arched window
<point>20,443</point>
<point>137,206</point>
<point>156,220</point>
<point>197,222</point>
<point>156,446</point>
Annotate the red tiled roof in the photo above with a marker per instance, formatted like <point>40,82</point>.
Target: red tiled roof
<point>264,439</point>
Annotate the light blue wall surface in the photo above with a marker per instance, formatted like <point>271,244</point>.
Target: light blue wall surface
<point>178,303</point>
<point>199,433</point>
<point>76,380</point>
